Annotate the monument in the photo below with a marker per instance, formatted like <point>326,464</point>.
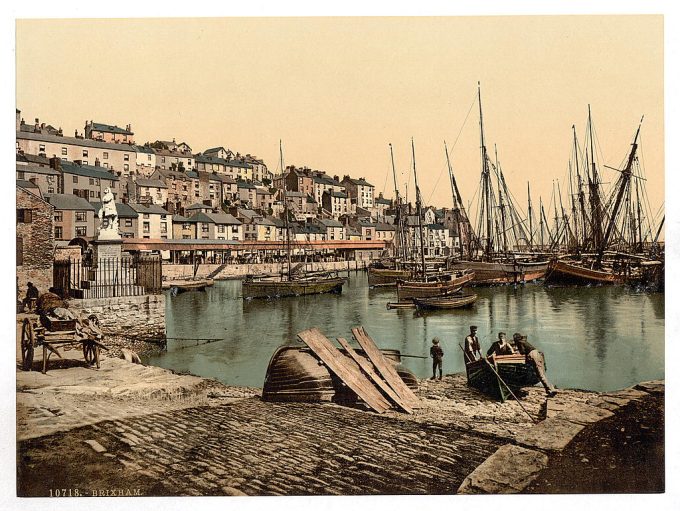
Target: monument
<point>109,243</point>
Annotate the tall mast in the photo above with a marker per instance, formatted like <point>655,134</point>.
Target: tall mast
<point>486,185</point>
<point>623,186</point>
<point>540,219</point>
<point>419,210</point>
<point>565,218</point>
<point>639,216</point>
<point>531,228</point>
<point>285,210</point>
<point>501,205</point>
<point>456,200</point>
<point>594,191</point>
<point>401,246</point>
<point>581,194</point>
<point>557,220</point>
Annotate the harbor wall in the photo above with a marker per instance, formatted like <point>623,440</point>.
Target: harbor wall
<point>127,318</point>
<point>237,271</point>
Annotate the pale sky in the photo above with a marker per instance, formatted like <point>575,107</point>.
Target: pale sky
<point>337,91</point>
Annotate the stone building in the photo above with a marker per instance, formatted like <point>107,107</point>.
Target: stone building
<point>154,222</point>
<point>45,178</point>
<point>109,133</point>
<point>86,181</point>
<point>34,240</point>
<point>359,191</point>
<point>336,203</point>
<point>73,217</point>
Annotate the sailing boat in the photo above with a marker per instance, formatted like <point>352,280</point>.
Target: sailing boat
<point>606,230</point>
<point>426,285</point>
<point>387,272</point>
<point>490,252</point>
<point>295,281</point>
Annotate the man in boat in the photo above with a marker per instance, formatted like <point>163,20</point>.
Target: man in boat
<point>500,347</point>
<point>473,351</point>
<point>535,359</point>
<point>437,354</point>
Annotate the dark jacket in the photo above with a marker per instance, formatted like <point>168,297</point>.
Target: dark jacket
<point>523,346</point>
<point>436,352</point>
<point>496,349</point>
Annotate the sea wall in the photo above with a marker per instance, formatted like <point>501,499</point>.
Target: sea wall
<point>136,322</point>
<point>237,271</point>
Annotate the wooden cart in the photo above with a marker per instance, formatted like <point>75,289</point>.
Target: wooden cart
<point>54,335</point>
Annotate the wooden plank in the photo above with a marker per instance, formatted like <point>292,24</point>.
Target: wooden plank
<point>367,367</point>
<point>344,369</point>
<point>384,367</point>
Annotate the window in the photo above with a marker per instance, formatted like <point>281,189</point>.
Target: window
<point>75,179</point>
<point>21,175</point>
<point>220,228</point>
<point>164,217</point>
<point>81,231</point>
<point>146,215</point>
<point>106,164</point>
<point>85,155</point>
<point>128,222</point>
<point>64,151</point>
<point>148,157</point>
<point>91,193</point>
<point>234,228</point>
<point>24,216</point>
<point>126,157</point>
<point>186,237</point>
<point>146,227</point>
<point>81,216</point>
<point>58,232</point>
<point>105,155</point>
<point>91,181</point>
<point>204,227</point>
<point>126,166</point>
<point>164,228</point>
<point>41,148</point>
<point>50,189</point>
<point>85,162</point>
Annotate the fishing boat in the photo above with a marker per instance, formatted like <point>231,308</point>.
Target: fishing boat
<point>182,286</point>
<point>387,273</point>
<point>446,302</point>
<point>437,285</point>
<point>501,272</point>
<point>296,374</point>
<point>483,374</point>
<point>573,272</point>
<point>294,282</point>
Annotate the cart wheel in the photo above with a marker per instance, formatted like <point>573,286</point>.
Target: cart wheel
<point>27,344</point>
<point>90,352</point>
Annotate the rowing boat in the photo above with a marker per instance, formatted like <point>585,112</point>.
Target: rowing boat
<point>297,374</point>
<point>512,369</point>
<point>441,284</point>
<point>446,302</point>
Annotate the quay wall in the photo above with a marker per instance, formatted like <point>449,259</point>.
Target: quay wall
<point>237,271</point>
<point>136,322</point>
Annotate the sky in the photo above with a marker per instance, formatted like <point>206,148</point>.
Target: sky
<point>338,90</point>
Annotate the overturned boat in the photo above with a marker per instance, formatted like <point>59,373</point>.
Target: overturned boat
<point>295,373</point>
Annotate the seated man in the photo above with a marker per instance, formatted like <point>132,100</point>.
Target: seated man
<point>31,296</point>
<point>534,358</point>
<point>500,347</point>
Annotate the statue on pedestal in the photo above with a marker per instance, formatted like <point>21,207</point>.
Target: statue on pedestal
<point>108,217</point>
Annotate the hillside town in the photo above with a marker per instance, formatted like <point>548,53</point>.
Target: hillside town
<point>169,192</point>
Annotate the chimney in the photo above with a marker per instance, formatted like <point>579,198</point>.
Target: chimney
<point>76,134</point>
<point>42,126</point>
<point>22,121</point>
<point>37,124</point>
<point>55,163</point>
<point>129,127</point>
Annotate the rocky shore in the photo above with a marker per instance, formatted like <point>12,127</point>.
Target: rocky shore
<point>148,431</point>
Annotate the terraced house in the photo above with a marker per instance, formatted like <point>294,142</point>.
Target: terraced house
<point>109,133</point>
<point>154,222</point>
<point>73,216</point>
<point>86,181</point>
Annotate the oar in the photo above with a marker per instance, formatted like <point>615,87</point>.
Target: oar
<point>511,392</point>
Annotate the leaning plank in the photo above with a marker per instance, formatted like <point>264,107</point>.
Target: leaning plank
<point>367,367</point>
<point>344,369</point>
<point>384,367</point>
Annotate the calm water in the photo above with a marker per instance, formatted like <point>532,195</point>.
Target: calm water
<point>596,339</point>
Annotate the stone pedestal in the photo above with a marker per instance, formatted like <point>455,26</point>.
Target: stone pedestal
<point>107,249</point>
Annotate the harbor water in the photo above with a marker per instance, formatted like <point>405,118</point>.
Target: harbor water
<point>601,338</point>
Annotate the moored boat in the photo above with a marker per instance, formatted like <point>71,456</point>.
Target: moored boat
<point>181,286</point>
<point>274,287</point>
<point>384,277</point>
<point>500,273</point>
<point>296,374</point>
<point>446,302</point>
<point>562,271</point>
<point>483,374</point>
<point>440,284</point>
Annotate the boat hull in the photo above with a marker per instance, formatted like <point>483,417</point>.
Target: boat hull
<point>384,277</point>
<point>498,273</point>
<point>278,289</point>
<point>564,272</point>
<point>512,369</point>
<point>295,374</point>
<point>408,290</point>
<point>446,302</point>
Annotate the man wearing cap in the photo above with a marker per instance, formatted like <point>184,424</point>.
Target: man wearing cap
<point>535,359</point>
<point>473,350</point>
<point>501,346</point>
<point>437,354</point>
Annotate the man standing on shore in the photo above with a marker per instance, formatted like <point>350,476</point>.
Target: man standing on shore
<point>473,351</point>
<point>535,359</point>
<point>437,354</point>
